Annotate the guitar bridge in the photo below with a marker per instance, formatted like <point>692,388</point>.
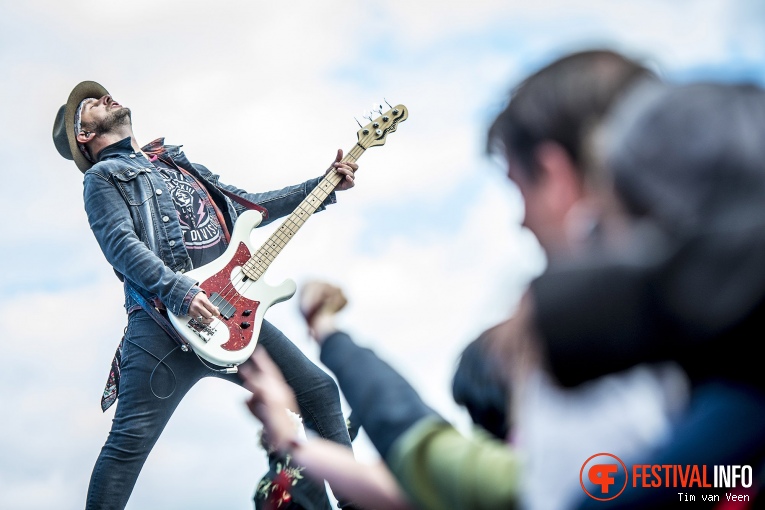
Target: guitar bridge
<point>202,330</point>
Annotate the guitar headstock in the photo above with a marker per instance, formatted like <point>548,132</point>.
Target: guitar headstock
<point>378,128</point>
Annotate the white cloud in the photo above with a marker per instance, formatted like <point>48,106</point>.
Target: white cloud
<point>427,245</point>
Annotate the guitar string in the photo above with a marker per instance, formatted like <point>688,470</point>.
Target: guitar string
<point>250,262</point>
<point>233,292</point>
<point>231,287</point>
<point>228,291</point>
<point>238,291</point>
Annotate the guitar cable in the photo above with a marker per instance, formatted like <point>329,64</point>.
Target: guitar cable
<point>161,361</point>
<point>226,370</point>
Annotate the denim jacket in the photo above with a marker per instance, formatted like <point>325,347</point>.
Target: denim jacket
<point>132,215</point>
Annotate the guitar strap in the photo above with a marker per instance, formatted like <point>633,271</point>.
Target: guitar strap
<point>233,196</point>
<point>246,203</point>
<point>158,317</point>
<point>156,149</point>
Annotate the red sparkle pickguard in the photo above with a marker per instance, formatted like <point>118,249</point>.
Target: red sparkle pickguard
<point>220,282</point>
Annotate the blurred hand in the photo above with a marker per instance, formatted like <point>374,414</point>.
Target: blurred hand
<point>346,171</point>
<point>270,400</point>
<point>319,303</point>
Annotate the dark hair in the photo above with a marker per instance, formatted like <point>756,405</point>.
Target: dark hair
<point>691,156</point>
<point>560,103</point>
<point>478,385</point>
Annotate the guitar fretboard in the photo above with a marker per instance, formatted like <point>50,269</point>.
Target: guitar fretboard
<point>262,258</point>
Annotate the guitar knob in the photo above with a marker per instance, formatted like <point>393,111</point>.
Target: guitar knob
<point>245,325</point>
<point>246,313</point>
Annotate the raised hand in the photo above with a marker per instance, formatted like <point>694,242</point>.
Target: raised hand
<point>319,302</point>
<point>346,170</point>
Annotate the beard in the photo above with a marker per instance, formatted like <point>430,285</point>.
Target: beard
<point>115,119</point>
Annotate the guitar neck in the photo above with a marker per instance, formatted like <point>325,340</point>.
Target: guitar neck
<point>265,255</point>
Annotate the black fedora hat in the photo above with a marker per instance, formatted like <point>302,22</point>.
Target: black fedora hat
<point>63,127</point>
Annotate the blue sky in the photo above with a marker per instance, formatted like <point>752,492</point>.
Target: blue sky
<point>427,245</point>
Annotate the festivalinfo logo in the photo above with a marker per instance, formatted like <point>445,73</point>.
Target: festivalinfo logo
<point>605,476</point>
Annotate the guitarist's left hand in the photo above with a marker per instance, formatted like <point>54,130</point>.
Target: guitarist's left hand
<point>345,169</point>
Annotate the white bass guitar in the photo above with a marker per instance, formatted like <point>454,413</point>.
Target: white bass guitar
<point>234,281</point>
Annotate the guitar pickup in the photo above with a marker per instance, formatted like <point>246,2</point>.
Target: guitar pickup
<point>227,310</point>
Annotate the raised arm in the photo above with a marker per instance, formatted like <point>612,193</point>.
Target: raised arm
<point>436,465</point>
<point>369,485</point>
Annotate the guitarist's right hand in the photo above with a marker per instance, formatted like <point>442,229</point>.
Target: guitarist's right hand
<point>202,309</point>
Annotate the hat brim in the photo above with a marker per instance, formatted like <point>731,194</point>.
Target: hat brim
<point>82,91</point>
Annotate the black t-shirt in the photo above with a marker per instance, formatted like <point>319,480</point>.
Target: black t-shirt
<point>202,232</point>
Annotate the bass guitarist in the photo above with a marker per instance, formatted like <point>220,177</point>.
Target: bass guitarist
<point>156,216</point>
